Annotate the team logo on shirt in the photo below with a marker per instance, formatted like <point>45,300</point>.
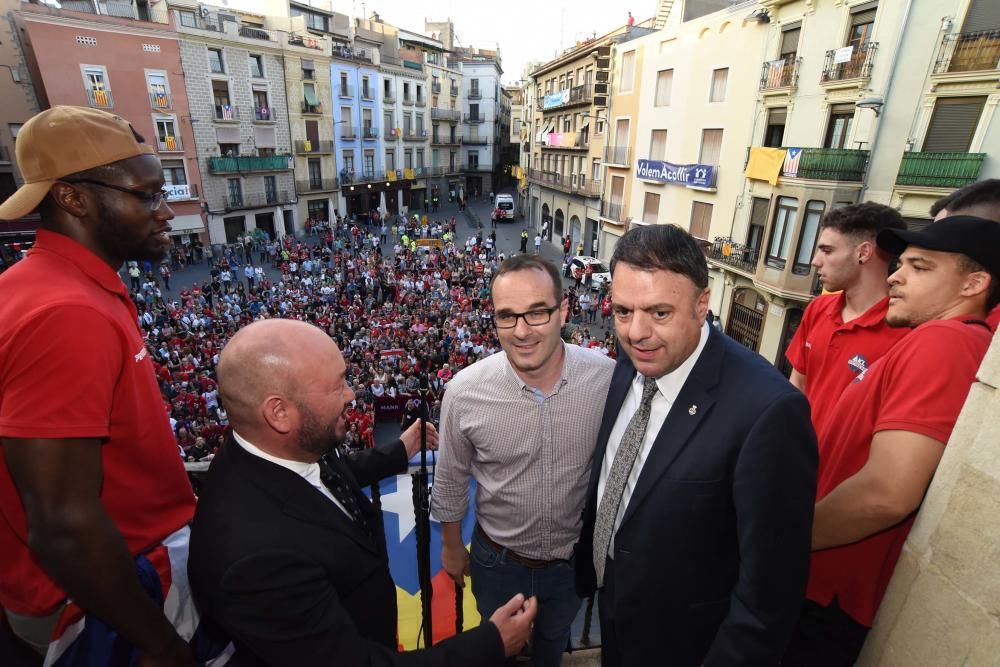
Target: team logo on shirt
<point>858,364</point>
<point>140,355</point>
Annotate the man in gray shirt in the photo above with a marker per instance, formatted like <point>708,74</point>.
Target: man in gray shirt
<point>522,424</point>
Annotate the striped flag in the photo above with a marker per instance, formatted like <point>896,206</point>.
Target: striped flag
<point>791,166</point>
<point>227,112</point>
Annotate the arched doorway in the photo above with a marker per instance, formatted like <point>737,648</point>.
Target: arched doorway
<point>793,317</point>
<point>557,229</point>
<point>546,218</point>
<point>746,318</point>
<point>575,231</point>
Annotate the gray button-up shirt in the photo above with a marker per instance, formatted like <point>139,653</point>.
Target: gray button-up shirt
<point>529,453</point>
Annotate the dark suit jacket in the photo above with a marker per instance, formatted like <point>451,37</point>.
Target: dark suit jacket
<point>712,555</point>
<point>291,580</point>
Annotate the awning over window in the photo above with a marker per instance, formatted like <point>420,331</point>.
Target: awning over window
<point>264,137</point>
<point>310,94</point>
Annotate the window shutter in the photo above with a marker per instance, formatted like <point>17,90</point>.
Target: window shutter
<point>758,211</point>
<point>711,147</point>
<point>954,122</point>
<point>664,83</point>
<point>701,219</point>
<point>777,116</point>
<point>658,145</point>
<point>264,137</point>
<point>650,208</point>
<point>720,78</point>
<point>982,15</point>
<point>790,40</point>
<point>227,135</point>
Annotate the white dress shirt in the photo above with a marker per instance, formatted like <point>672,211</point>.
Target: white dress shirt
<point>307,471</point>
<point>669,387</point>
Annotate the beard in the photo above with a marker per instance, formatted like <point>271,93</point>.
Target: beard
<point>112,237</point>
<point>318,437</point>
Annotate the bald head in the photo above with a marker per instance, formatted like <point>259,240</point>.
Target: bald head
<point>270,358</point>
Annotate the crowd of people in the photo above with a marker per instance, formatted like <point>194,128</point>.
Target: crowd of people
<point>408,317</point>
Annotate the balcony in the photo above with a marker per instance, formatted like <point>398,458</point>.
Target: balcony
<point>311,108</point>
<point>160,101</point>
<point>940,170</point>
<point>857,66</point>
<point>253,32</point>
<point>968,52</point>
<point>388,97</point>
<point>308,42</point>
<point>229,202</point>
<point>345,90</point>
<point>100,99</point>
<point>574,184</point>
<point>226,113</point>
<point>454,91</point>
<point>735,255</point>
<point>453,115</point>
<point>316,185</point>
<point>476,141</point>
<point>249,164</point>
<point>451,140</point>
<point>618,155</point>
<point>263,113</point>
<point>181,192</point>
<point>829,164</point>
<point>435,87</point>
<point>369,133</point>
<point>348,53</point>
<point>421,101</point>
<point>476,167</point>
<point>169,144</point>
<point>781,73</point>
<point>408,100</point>
<point>566,141</point>
<point>309,147</point>
<point>390,134</point>
<point>348,132</point>
<point>474,94</point>
<point>414,135</point>
<point>119,9</point>
<point>475,119</point>
<point>614,210</point>
<point>366,176</point>
<point>367,94</point>
<point>568,97</point>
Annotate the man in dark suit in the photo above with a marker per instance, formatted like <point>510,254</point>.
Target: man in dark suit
<point>697,524</point>
<point>288,557</point>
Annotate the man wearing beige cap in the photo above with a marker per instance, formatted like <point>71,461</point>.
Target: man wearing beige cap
<point>94,499</point>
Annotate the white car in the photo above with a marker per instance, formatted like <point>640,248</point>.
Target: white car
<point>601,273</point>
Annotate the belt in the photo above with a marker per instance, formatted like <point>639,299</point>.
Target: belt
<point>530,563</point>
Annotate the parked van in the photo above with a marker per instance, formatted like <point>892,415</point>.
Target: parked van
<point>503,208</point>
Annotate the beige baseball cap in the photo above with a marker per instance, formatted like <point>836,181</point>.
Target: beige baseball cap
<point>65,140</point>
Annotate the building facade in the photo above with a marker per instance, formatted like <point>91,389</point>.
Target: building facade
<point>481,119</point>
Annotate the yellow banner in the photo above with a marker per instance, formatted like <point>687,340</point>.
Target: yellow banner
<point>765,164</point>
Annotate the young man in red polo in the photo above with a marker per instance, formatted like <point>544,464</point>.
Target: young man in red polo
<point>842,334</point>
<point>882,441</point>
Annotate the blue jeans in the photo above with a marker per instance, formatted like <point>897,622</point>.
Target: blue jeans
<point>496,579</point>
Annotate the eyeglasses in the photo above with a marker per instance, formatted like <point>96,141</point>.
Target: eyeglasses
<point>152,199</point>
<point>533,318</point>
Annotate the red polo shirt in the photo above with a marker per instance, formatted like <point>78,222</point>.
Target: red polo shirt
<point>919,386</point>
<point>73,365</point>
<point>994,318</point>
<point>831,353</point>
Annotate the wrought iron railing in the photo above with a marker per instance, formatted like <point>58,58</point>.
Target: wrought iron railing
<point>857,65</point>
<point>968,52</point>
<point>939,170</point>
<point>780,73</point>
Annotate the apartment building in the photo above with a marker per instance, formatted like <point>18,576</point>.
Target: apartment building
<point>481,118</point>
<point>427,57</point>
<point>444,83</point>
<point>123,58</point>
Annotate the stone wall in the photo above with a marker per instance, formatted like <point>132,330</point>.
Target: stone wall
<point>943,605</point>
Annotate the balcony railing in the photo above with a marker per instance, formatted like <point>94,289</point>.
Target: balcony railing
<point>733,254</point>
<point>454,91</point>
<point>369,133</point>
<point>348,132</point>
<point>309,147</point>
<point>435,86</point>
<point>252,32</point>
<point>249,164</point>
<point>414,135</point>
<point>101,99</point>
<point>940,170</point>
<point>349,53</point>
<point>345,90</point>
<point>390,134</point>
<point>316,185</point>
<point>367,94</point>
<point>446,141</point>
<point>408,100</point>
<point>613,210</point>
<point>618,155</point>
<point>366,176</point>
<point>576,184</point>
<point>119,9</point>
<point>311,108</point>
<point>420,101</point>
<point>830,164</point>
<point>475,119</point>
<point>781,73</point>
<point>567,141</point>
<point>229,202</point>
<point>160,101</point>
<point>968,52</point>
<point>263,113</point>
<point>476,141</point>
<point>857,66</point>
<point>446,114</point>
<point>227,112</point>
<point>181,192</point>
<point>169,144</point>
<point>474,94</point>
<point>582,94</point>
<point>388,97</point>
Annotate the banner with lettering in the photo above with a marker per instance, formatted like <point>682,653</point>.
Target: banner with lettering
<point>690,175</point>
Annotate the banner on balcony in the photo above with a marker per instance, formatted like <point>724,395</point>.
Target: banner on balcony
<point>555,99</point>
<point>764,164</point>
<point>560,139</point>
<point>791,166</point>
<point>843,54</point>
<point>690,175</point>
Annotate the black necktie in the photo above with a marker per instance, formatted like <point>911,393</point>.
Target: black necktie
<point>333,476</point>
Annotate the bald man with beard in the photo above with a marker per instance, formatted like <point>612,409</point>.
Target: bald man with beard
<point>288,556</point>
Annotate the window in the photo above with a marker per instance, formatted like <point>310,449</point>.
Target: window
<point>187,19</point>
<point>786,214</point>
<point>215,63</point>
<point>408,159</point>
<point>711,147</point>
<point>774,133</point>
<point>262,110</point>
<point>628,72</point>
<point>315,173</point>
<point>420,157</point>
<point>473,159</point>
<point>345,91</point>
<point>473,112</point>
<point>387,87</point>
<point>390,160</point>
<point>790,40</point>
<point>701,219</point>
<point>166,135</point>
<point>158,90</point>
<point>807,237</point>
<point>256,66</point>
<point>658,145</point>
<point>173,173</point>
<point>953,124</point>
<point>366,91</point>
<point>312,132</point>
<point>235,188</point>
<point>420,123</point>
<point>349,162</point>
<point>720,78</point>
<point>95,80</point>
<point>595,169</point>
<point>617,190</point>
<point>407,124</point>
<point>862,23</point>
<point>318,209</point>
<point>664,84</point>
<point>758,220</point>
<point>369,162</point>
<point>309,94</point>
<point>839,128</point>
<point>650,208</point>
<point>271,189</point>
<point>308,70</point>
<point>388,124</point>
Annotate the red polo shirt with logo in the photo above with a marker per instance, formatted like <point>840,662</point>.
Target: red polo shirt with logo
<point>919,386</point>
<point>73,364</point>
<point>831,353</point>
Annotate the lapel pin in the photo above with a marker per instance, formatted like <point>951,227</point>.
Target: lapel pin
<point>693,410</point>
